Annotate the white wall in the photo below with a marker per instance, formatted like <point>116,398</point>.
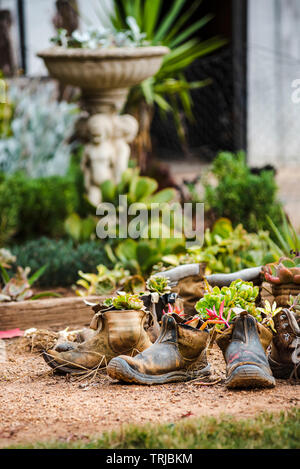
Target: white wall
<point>12,6</point>
<point>39,28</point>
<point>273,64</point>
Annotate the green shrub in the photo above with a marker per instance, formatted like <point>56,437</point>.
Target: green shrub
<point>240,195</point>
<point>36,207</point>
<point>63,258</point>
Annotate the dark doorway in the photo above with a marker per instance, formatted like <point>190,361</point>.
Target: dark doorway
<point>219,108</point>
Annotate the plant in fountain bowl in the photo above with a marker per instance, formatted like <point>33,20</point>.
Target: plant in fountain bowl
<point>284,278</point>
<point>94,38</point>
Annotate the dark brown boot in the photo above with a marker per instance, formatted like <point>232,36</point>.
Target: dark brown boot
<point>284,358</point>
<point>244,347</point>
<point>118,332</point>
<point>179,354</point>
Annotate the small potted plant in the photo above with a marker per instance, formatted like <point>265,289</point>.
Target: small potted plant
<point>219,306</point>
<point>159,299</point>
<point>119,329</point>
<point>159,295</point>
<point>284,278</point>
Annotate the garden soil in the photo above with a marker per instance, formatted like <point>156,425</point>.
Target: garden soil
<point>37,405</point>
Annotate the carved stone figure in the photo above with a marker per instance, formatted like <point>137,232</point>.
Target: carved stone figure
<point>107,152</point>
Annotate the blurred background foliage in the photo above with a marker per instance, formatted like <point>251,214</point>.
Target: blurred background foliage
<point>45,217</point>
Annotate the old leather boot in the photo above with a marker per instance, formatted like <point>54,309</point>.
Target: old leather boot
<point>284,358</point>
<point>243,346</point>
<point>118,332</point>
<point>179,354</point>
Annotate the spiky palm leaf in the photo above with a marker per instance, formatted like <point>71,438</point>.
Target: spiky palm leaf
<point>169,88</point>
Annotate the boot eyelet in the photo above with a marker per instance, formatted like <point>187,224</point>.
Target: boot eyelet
<point>283,316</point>
<point>286,337</point>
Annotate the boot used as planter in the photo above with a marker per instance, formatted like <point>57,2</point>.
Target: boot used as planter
<point>284,359</point>
<point>117,332</point>
<point>284,279</point>
<point>188,281</point>
<point>179,354</point>
<point>244,346</point>
<point>158,299</point>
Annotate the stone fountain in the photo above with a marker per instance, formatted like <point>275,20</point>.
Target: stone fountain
<point>104,77</point>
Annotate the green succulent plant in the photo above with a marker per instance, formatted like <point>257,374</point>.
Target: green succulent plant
<point>139,256</point>
<point>294,303</point>
<point>268,313</point>
<point>226,249</point>
<point>6,258</point>
<point>80,229</point>
<point>94,38</point>
<point>158,284</point>
<point>18,287</point>
<point>104,282</point>
<point>284,271</point>
<point>137,189</point>
<point>125,301</point>
<point>239,294</point>
<point>285,234</point>
<point>134,284</point>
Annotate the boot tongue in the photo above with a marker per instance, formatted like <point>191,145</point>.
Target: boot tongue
<point>168,329</point>
<point>239,328</point>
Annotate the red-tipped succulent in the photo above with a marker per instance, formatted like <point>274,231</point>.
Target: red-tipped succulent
<point>213,317</point>
<point>285,271</point>
<point>175,310</point>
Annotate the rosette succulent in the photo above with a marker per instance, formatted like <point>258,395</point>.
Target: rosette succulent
<point>18,287</point>
<point>284,271</point>
<point>158,284</point>
<point>124,301</point>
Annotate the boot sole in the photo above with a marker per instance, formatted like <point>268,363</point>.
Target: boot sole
<point>119,369</point>
<point>249,376</point>
<point>62,369</point>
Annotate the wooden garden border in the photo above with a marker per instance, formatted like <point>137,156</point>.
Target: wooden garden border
<point>54,313</point>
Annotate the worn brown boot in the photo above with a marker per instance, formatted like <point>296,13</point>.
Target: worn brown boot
<point>179,354</point>
<point>244,347</point>
<point>118,332</point>
<point>284,358</point>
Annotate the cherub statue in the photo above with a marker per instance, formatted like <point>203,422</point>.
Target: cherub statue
<point>107,152</point>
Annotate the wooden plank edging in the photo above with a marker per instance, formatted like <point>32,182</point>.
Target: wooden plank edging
<point>45,313</point>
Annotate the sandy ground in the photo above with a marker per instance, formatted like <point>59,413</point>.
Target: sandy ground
<point>36,405</point>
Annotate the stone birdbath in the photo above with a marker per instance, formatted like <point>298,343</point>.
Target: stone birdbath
<point>104,76</point>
